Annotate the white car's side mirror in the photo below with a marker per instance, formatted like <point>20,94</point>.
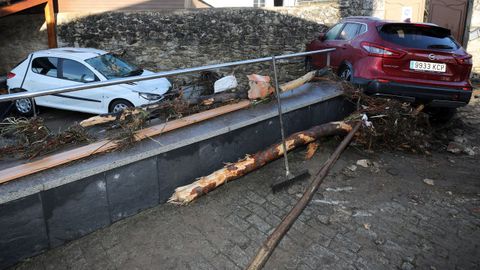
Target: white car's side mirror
<point>87,78</point>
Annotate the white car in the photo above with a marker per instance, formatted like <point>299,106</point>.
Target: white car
<point>61,67</point>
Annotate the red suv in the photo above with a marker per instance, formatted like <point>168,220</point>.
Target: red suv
<point>415,62</point>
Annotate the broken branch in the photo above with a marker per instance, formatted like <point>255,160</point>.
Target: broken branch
<point>298,82</point>
<point>311,149</point>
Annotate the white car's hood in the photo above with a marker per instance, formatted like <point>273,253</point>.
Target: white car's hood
<point>155,86</point>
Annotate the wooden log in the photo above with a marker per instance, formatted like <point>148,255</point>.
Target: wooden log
<point>108,145</point>
<point>272,241</point>
<point>298,82</point>
<point>188,193</point>
<point>219,98</point>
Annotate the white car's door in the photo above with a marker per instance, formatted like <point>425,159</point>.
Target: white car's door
<point>75,73</point>
<point>42,75</point>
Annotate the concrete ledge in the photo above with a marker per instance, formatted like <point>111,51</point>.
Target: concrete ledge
<point>68,202</point>
<point>302,97</point>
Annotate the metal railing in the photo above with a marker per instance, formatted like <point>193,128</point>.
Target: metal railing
<point>15,96</point>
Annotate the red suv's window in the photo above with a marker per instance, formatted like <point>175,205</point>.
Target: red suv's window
<point>332,34</point>
<point>418,36</point>
<point>349,31</point>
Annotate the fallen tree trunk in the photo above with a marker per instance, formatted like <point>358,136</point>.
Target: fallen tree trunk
<point>188,193</point>
<point>272,241</point>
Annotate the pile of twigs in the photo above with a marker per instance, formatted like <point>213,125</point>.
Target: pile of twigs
<point>32,138</point>
<point>394,124</point>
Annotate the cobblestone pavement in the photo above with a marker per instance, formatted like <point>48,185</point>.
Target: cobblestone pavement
<point>384,216</point>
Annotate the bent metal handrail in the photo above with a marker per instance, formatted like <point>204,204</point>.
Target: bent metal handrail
<point>11,97</point>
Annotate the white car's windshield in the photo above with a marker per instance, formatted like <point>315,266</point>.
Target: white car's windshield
<point>113,67</point>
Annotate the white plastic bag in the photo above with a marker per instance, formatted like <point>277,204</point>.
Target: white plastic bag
<point>225,83</point>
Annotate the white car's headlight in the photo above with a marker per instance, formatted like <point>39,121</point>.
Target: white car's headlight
<point>149,96</point>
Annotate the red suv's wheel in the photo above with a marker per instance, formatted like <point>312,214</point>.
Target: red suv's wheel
<point>346,73</point>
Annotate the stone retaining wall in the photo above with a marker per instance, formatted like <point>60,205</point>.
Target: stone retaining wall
<point>188,38</point>
<point>176,39</point>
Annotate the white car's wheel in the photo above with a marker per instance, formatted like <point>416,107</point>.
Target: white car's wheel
<point>119,105</point>
<point>24,106</point>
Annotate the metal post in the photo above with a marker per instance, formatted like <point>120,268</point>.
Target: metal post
<point>328,59</point>
<point>280,117</point>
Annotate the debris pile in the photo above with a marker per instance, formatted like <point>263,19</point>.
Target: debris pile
<point>394,125</point>
<point>31,138</point>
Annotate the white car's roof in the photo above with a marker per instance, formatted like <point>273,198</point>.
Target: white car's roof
<point>71,53</point>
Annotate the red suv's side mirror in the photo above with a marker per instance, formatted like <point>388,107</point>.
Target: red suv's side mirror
<point>321,36</point>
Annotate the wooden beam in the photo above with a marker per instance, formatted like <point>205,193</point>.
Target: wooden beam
<point>51,24</point>
<point>108,145</point>
<point>19,6</point>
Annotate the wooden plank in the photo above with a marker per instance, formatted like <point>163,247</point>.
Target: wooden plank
<point>56,160</point>
<point>107,145</point>
<point>19,6</point>
<point>190,120</point>
<point>51,24</point>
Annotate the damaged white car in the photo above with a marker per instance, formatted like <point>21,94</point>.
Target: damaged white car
<point>62,67</point>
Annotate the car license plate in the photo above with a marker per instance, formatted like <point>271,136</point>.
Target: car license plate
<point>428,66</point>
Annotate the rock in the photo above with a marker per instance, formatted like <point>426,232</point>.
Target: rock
<point>364,163</point>
<point>352,168</point>
<point>323,219</point>
<point>469,151</point>
<point>361,213</point>
<point>376,167</point>
<point>455,148</point>
<point>407,266</point>
<point>379,241</point>
<point>457,131</point>
<point>449,193</point>
<point>339,189</point>
<point>366,226</point>
<point>392,171</point>
<point>460,139</point>
<point>429,182</point>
